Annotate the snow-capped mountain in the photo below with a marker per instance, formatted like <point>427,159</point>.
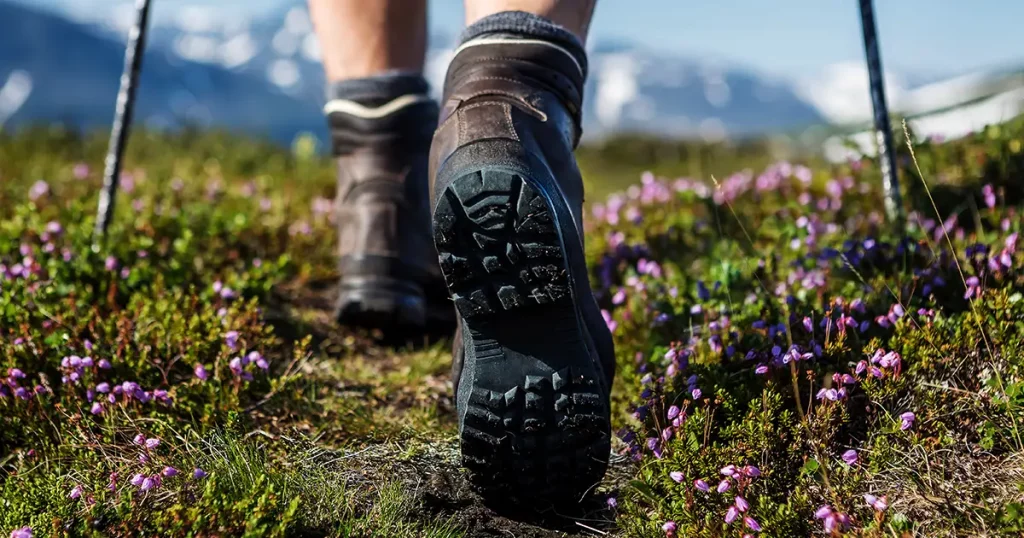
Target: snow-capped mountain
<point>206,65</point>
<point>258,69</point>
<point>72,74</point>
<point>629,89</point>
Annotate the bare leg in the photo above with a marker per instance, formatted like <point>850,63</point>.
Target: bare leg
<point>574,15</point>
<point>363,38</point>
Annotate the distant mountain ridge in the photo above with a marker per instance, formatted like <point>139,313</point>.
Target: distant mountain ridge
<point>263,76</point>
<point>75,73</point>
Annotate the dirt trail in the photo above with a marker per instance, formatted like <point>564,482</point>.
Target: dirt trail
<point>431,476</point>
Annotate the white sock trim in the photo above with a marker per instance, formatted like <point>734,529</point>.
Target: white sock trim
<point>501,40</point>
<point>358,110</point>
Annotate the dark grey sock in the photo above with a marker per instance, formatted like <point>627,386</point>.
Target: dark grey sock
<point>378,90</point>
<point>523,25</point>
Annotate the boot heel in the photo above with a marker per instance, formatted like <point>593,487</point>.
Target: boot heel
<point>380,303</point>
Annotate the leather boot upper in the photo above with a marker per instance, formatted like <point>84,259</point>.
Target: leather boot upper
<point>382,202</point>
<point>527,91</point>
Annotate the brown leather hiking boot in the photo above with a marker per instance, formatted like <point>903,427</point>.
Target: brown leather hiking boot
<point>390,278</point>
<point>536,360</point>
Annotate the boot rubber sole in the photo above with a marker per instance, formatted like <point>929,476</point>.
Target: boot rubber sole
<point>371,304</point>
<point>534,417</point>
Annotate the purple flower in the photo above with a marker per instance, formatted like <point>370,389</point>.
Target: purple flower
<point>907,420</point>
<point>236,366</point>
<point>611,323</point>
<point>677,477</point>
<point>24,532</point>
<point>673,412</point>
<point>728,470</point>
<point>752,524</point>
<point>169,472</point>
<point>80,171</point>
<point>16,373</point>
<point>137,479</point>
<point>669,527</point>
<point>38,190</point>
<point>148,483</point>
<point>201,372</point>
<point>701,485</point>
<point>990,196</point>
<point>231,339</point>
<point>823,511</point>
<point>152,443</point>
<point>696,393</point>
<point>103,364</point>
<point>97,408</point>
<point>103,387</point>
<point>257,357</point>
<point>110,264</point>
<point>199,473</point>
<point>850,457</point>
<point>76,492</point>
<point>731,514</point>
<point>879,504</point>
<point>612,503</point>
<point>761,370</point>
<point>702,291</point>
<point>751,471</point>
<point>808,325</point>
<point>741,504</point>
<point>724,486</point>
<point>836,521</point>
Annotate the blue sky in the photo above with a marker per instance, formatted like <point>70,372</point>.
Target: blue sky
<point>782,37</point>
<point>793,36</point>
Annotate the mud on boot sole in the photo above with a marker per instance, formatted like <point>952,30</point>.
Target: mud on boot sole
<point>536,425</point>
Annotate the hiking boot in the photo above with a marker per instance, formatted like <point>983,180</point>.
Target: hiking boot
<point>387,261</point>
<point>535,360</point>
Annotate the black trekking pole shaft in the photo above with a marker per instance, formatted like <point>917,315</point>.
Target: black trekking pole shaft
<point>883,128</point>
<point>122,119</point>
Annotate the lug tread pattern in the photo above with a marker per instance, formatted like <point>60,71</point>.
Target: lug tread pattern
<point>506,253</point>
<point>541,445</point>
<point>533,430</point>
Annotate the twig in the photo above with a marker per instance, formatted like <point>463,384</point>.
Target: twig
<point>591,529</point>
<point>972,299</point>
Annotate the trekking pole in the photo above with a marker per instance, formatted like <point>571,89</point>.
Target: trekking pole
<point>122,120</point>
<point>883,128</point>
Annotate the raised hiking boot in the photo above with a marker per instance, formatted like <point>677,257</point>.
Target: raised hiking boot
<point>387,260</point>
<point>536,361</point>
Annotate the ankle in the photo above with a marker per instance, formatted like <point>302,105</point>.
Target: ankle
<point>388,109</point>
<point>511,25</point>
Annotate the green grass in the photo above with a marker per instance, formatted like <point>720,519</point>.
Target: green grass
<point>342,437</point>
